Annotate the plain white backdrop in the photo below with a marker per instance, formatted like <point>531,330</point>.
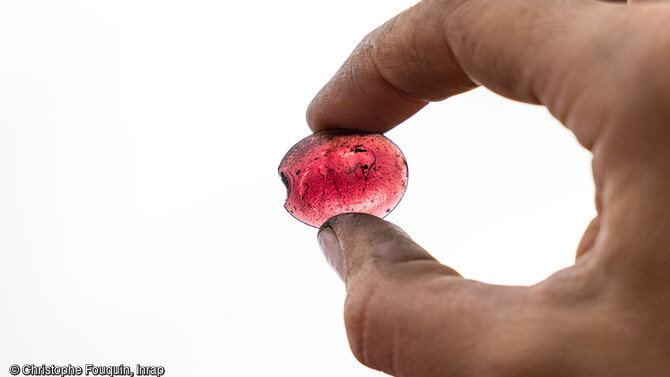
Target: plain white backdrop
<point>141,215</point>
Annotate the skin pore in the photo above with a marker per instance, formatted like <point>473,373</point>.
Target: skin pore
<point>601,68</point>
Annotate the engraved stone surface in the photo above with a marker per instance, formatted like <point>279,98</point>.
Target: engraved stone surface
<point>334,172</point>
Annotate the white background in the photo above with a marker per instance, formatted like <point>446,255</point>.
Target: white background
<point>141,215</point>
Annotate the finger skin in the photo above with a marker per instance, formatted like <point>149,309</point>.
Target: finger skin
<point>357,97</point>
<point>601,69</point>
<point>573,56</point>
<point>408,315</point>
<point>437,49</point>
<point>588,239</point>
<point>391,244</point>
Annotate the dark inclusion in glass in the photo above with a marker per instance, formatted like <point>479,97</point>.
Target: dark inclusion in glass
<point>334,172</point>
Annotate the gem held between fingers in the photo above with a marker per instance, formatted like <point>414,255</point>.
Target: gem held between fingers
<point>334,172</point>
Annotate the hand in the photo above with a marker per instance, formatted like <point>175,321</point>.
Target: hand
<point>603,70</point>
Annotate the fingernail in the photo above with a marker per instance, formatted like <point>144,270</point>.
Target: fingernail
<point>330,246</point>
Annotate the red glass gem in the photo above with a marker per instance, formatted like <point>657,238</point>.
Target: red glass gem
<point>334,172</point>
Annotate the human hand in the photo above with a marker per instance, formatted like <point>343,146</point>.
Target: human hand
<point>602,70</point>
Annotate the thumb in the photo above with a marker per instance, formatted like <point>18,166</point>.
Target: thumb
<point>351,241</point>
<point>408,315</point>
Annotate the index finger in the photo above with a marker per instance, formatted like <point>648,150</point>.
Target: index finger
<point>531,51</point>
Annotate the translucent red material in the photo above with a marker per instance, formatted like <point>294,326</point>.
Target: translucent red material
<point>334,172</point>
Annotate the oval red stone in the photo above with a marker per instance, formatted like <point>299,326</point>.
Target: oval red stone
<point>334,172</point>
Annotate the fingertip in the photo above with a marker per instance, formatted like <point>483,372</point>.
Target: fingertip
<point>357,97</point>
<point>353,240</point>
<point>331,248</point>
